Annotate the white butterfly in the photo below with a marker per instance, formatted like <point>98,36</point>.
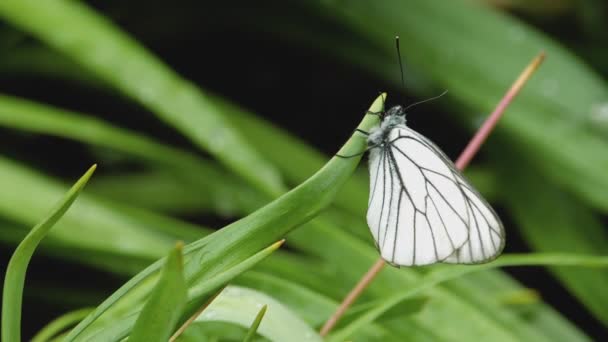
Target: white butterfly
<point>421,209</point>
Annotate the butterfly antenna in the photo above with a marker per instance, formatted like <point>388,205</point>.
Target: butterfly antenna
<point>400,63</point>
<point>427,100</point>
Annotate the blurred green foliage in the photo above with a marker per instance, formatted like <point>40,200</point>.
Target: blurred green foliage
<point>545,168</point>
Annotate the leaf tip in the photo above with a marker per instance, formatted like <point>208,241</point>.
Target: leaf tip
<point>263,310</point>
<point>277,244</point>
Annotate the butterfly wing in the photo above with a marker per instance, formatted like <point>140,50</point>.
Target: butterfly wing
<point>421,209</point>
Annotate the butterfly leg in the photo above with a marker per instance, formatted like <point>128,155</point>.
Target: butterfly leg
<point>356,154</point>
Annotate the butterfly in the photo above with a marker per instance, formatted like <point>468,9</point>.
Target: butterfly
<point>421,209</point>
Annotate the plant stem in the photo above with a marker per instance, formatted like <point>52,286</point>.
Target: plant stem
<point>461,163</point>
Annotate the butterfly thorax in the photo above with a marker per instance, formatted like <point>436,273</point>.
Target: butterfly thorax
<point>395,116</point>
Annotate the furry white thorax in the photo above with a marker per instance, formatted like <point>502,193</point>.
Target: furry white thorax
<point>393,117</point>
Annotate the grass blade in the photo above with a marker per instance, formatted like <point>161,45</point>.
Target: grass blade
<point>15,272</point>
<point>256,323</point>
<point>162,310</point>
<point>60,324</point>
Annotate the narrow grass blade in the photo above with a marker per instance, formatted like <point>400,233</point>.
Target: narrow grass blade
<point>162,310</point>
<point>15,272</point>
<point>256,323</point>
<point>60,324</point>
<point>444,274</point>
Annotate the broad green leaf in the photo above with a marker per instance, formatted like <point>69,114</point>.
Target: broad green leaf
<point>14,278</point>
<point>160,313</point>
<point>444,274</point>
<point>119,61</point>
<point>240,305</point>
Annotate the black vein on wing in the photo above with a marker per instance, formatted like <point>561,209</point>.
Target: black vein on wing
<point>472,207</point>
<point>483,254</point>
<point>428,222</point>
<point>397,224</point>
<point>373,192</point>
<point>383,197</point>
<point>390,203</point>
<point>445,229</point>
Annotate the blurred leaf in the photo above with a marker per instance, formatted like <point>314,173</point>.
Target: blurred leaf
<point>442,274</point>
<point>97,45</point>
<point>404,308</point>
<point>213,332</point>
<point>160,313</point>
<point>240,305</point>
<point>60,323</point>
<point>91,226</point>
<point>552,221</point>
<point>311,306</point>
<point>15,271</point>
<point>209,180</point>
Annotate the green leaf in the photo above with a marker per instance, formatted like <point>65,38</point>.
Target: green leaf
<point>123,313</point>
<point>443,274</point>
<point>550,221</point>
<point>240,305</point>
<point>92,226</point>
<point>256,323</point>
<point>15,271</point>
<point>96,44</point>
<point>236,242</point>
<point>162,310</point>
<point>60,323</point>
<point>208,180</point>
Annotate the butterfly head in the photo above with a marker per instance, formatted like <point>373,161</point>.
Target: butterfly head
<point>394,116</point>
